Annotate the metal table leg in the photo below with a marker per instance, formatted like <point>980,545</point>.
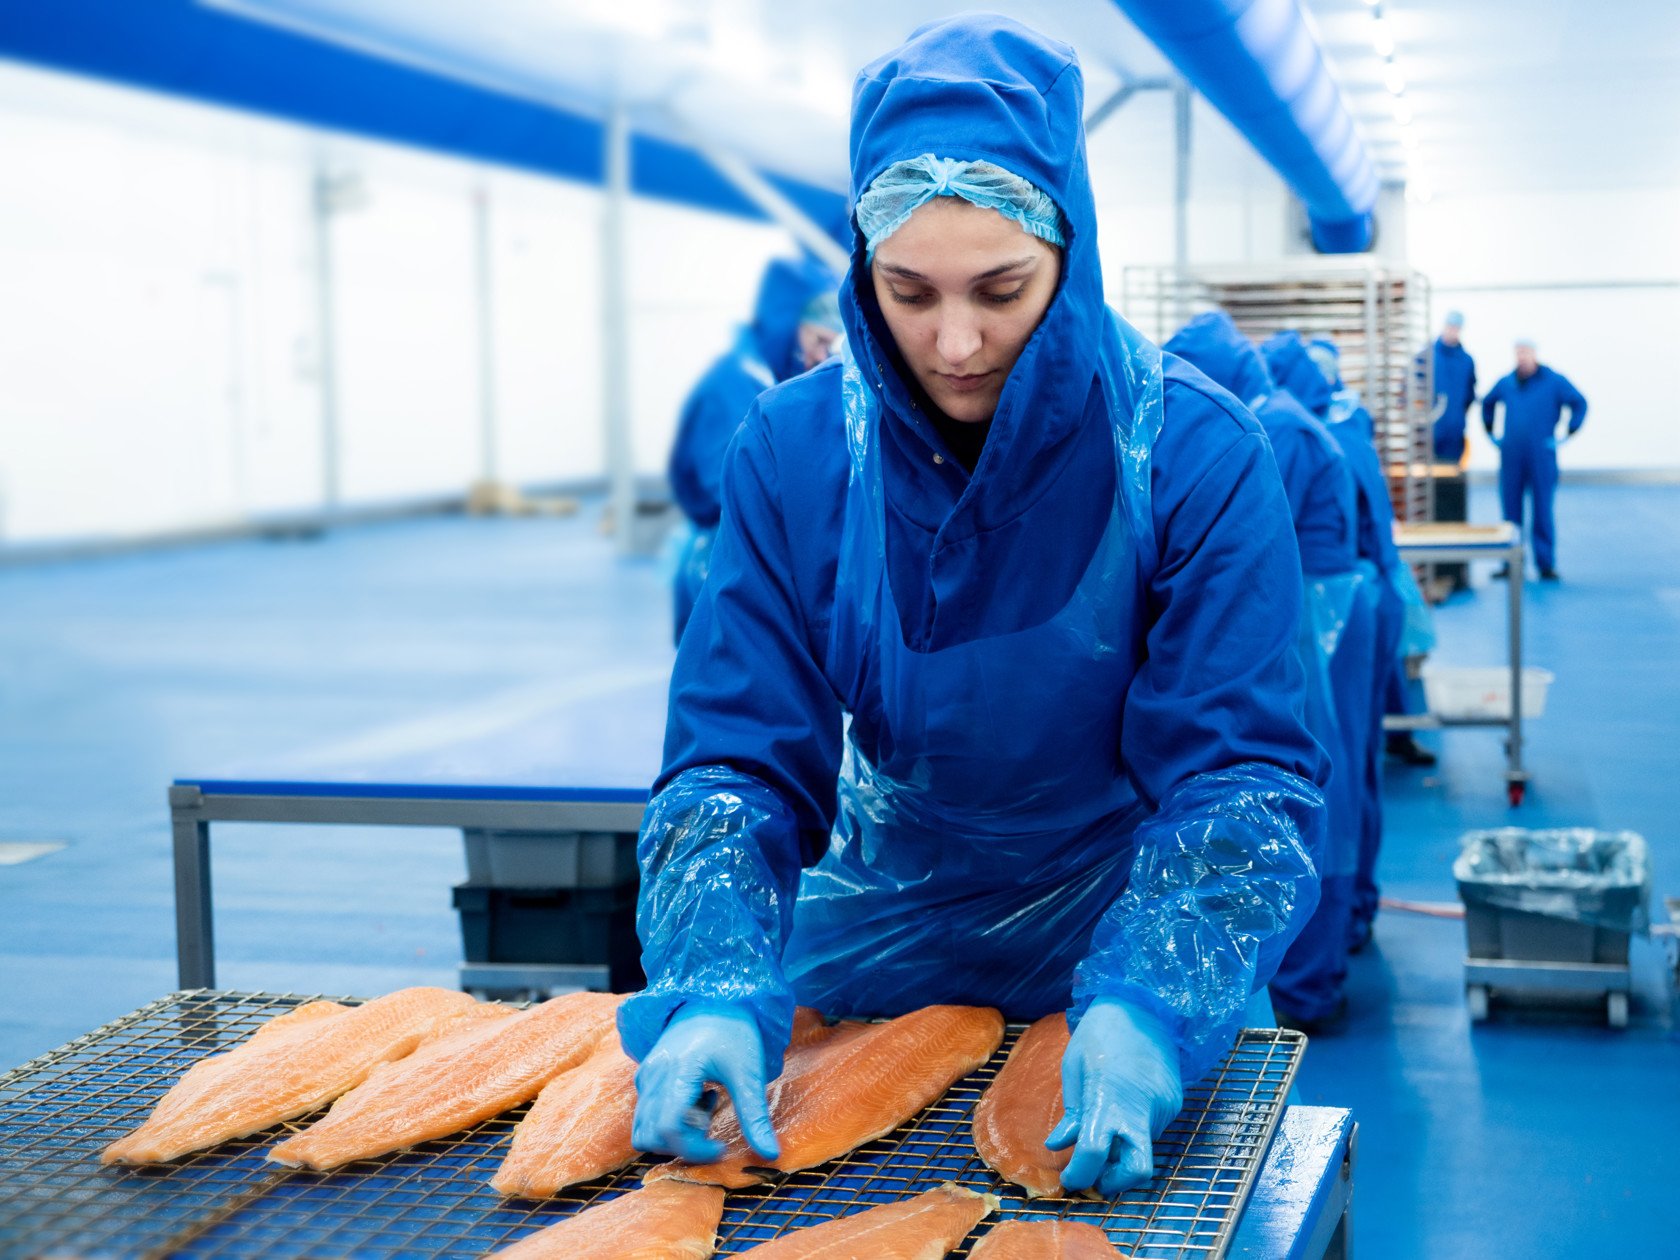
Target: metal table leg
<point>195,948</point>
<point>1516,778</point>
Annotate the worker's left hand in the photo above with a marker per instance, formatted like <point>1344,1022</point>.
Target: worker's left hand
<point>1120,1090</point>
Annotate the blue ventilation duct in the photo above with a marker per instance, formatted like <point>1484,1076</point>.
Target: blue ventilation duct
<point>185,49</point>
<point>1257,63</point>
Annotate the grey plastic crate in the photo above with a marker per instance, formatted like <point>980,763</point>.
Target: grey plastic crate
<point>551,859</point>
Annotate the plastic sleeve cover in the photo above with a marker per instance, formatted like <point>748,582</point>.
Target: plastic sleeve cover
<point>1222,883</point>
<point>718,853</point>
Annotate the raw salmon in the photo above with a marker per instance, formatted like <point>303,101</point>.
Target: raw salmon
<point>488,1064</point>
<point>294,1064</point>
<point>669,1220</point>
<point>923,1228</point>
<point>850,1086</point>
<point>1046,1240</point>
<point>1021,1106</point>
<point>579,1127</point>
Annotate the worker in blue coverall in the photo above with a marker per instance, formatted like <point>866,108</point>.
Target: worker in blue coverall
<point>1455,389</point>
<point>1335,634</point>
<point>1395,589</point>
<point>795,323</point>
<point>1534,398</point>
<point>1048,574</point>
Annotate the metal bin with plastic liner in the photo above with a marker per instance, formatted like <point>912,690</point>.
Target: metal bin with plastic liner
<point>1552,911</point>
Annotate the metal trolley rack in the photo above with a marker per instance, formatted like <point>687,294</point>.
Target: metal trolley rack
<point>1376,313</point>
<point>1217,1190</point>
<point>1422,544</point>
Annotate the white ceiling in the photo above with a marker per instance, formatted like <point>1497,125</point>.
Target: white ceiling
<point>1518,95</point>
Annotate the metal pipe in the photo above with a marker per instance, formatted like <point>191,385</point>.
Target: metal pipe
<point>763,194</point>
<point>489,454</point>
<point>1181,199</point>
<point>326,358</point>
<point>615,328</point>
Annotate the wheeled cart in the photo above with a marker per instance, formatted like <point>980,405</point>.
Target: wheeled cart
<point>1429,543</point>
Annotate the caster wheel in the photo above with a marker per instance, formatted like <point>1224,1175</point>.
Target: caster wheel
<point>1617,1009</point>
<point>1476,996</point>
<point>1515,792</point>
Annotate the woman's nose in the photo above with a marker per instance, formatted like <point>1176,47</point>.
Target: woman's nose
<point>959,334</point>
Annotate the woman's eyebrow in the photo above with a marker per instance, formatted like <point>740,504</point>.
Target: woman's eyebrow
<point>1001,269</point>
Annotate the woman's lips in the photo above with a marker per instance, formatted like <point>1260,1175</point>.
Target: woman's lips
<point>965,384</point>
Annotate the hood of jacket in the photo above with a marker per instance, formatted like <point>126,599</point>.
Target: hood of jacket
<point>983,88</point>
<point>1293,369</point>
<point>787,288</point>
<point>1213,342</point>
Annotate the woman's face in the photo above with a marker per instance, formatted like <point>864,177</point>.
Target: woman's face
<point>962,288</point>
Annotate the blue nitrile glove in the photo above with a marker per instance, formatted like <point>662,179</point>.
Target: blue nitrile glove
<point>1120,1089</point>
<point>705,1043</point>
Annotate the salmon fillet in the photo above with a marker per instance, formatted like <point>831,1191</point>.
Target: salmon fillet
<point>926,1227</point>
<point>850,1086</point>
<point>294,1064</point>
<point>1020,1107</point>
<point>579,1127</point>
<point>488,1064</point>
<point>1046,1240</point>
<point>669,1220</point>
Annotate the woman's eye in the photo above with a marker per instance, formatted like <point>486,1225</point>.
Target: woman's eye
<point>1003,299</point>
<point>908,299</point>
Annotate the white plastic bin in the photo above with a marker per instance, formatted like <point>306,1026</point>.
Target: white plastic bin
<point>1456,693</point>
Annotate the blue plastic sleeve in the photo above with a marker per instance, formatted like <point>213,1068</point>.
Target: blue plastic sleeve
<point>719,858</point>
<point>1221,884</point>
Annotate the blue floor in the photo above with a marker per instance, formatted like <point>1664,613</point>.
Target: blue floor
<point>1541,1134</point>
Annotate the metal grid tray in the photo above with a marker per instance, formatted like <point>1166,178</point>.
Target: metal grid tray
<point>57,1112</point>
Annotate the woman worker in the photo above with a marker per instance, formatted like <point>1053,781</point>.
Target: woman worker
<point>1048,574</point>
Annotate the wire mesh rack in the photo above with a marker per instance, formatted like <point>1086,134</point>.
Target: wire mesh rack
<point>59,1111</point>
<point>1376,313</point>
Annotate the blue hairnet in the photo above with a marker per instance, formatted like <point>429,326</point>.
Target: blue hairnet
<point>1526,343</point>
<point>823,310</point>
<point>897,192</point>
<point>1324,357</point>
<point>1455,318</point>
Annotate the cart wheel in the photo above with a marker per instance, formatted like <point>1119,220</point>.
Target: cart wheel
<point>1515,792</point>
<point>1477,998</point>
<point>1618,1009</point>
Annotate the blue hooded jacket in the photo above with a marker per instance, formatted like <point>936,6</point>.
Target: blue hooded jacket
<point>1354,430</point>
<point>754,742</point>
<point>1316,479</point>
<point>719,402</point>
<point>1532,411</point>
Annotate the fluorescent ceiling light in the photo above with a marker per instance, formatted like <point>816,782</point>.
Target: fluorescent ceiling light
<point>1394,79</point>
<point>1382,36</point>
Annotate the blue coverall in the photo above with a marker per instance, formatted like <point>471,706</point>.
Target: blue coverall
<point>1334,645</point>
<point>765,351</point>
<point>1528,464</point>
<point>1075,767</point>
<point>1455,390</point>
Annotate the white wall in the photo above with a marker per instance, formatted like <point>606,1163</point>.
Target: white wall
<point>161,352</point>
<point>1594,278</point>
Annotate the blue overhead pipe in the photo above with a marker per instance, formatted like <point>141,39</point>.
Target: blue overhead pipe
<point>1258,64</point>
<point>184,48</point>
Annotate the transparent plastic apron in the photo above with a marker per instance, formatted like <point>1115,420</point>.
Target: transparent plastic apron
<point>985,820</point>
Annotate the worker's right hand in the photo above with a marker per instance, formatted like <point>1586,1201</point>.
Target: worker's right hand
<point>704,1044</point>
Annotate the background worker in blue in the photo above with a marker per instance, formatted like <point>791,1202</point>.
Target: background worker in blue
<point>1534,398</point>
<point>1049,575</point>
<point>1455,389</point>
<point>795,323</point>
<point>1333,643</point>
<point>1394,591</point>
